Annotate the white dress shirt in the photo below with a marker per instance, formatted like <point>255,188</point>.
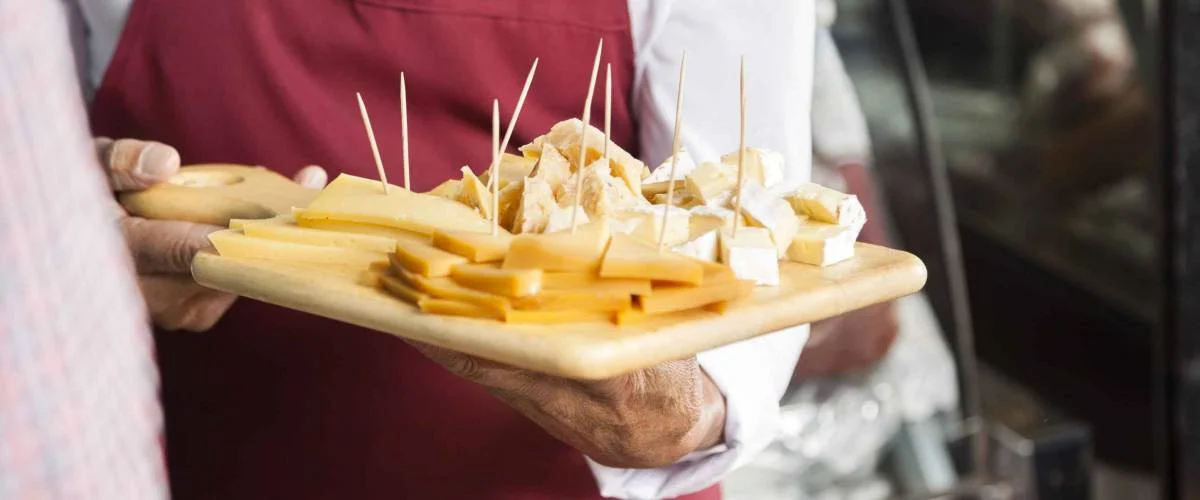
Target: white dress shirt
<point>777,39</point>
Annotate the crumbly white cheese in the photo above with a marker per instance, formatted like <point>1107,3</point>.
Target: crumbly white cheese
<point>663,173</point>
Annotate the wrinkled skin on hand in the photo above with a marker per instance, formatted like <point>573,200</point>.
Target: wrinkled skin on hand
<point>647,419</point>
<point>163,250</point>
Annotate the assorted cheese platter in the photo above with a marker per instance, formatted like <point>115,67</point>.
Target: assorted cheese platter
<point>571,258</point>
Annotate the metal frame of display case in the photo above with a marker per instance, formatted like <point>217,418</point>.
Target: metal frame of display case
<point>1178,366</point>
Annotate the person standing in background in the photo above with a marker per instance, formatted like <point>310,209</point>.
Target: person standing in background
<point>79,414</point>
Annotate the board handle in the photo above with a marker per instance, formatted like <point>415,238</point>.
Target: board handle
<point>215,193</point>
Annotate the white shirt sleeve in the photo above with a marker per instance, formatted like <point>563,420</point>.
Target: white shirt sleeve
<point>777,38</point>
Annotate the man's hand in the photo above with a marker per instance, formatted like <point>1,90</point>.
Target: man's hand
<point>163,250</point>
<point>648,419</point>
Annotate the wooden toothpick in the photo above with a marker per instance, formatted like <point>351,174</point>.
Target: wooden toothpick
<point>512,123</point>
<point>737,215</point>
<point>662,235</point>
<point>607,108</point>
<point>587,118</point>
<point>495,163</point>
<point>374,146</point>
<point>404,130</point>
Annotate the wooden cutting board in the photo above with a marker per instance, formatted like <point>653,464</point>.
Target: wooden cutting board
<point>213,194</point>
<point>587,351</point>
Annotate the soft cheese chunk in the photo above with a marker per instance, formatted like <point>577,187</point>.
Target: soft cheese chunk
<point>751,254</point>
<point>822,204</point>
<point>552,167</point>
<point>822,244</point>
<point>537,203</point>
<point>578,251</point>
<point>566,136</point>
<point>512,169</point>
<point>660,179</point>
<point>355,199</point>
<point>711,182</point>
<point>775,214</point>
<point>560,219</point>
<point>631,259</point>
<point>705,219</point>
<point>762,166</point>
<point>703,247</point>
<point>603,195</point>
<point>645,224</point>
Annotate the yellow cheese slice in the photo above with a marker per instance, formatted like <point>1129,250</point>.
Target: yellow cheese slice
<point>283,229</point>
<point>672,299</point>
<point>367,229</point>
<point>424,259</point>
<point>592,282</point>
<point>581,251</point>
<point>355,199</point>
<point>505,282</point>
<point>476,247</point>
<point>232,243</point>
<point>446,288</point>
<point>576,300</point>
<point>448,189</point>
<point>553,317</point>
<point>401,290</point>
<point>445,307</point>
<point>629,258</point>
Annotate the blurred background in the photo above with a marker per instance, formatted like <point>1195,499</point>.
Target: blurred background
<point>1037,154</point>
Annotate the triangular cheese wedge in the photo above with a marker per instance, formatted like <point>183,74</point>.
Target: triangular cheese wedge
<point>631,259</point>
<point>552,167</point>
<point>581,251</point>
<point>355,199</point>
<point>473,193</point>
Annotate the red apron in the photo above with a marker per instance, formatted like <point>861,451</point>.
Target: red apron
<point>277,404</point>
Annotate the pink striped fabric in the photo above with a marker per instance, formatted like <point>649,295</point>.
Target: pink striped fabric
<point>79,416</point>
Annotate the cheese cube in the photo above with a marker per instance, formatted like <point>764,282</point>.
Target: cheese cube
<point>235,244</point>
<point>703,247</point>
<point>283,228</point>
<point>631,259</point>
<point>751,254</point>
<point>762,166</point>
<point>579,251</point>
<point>774,214</point>
<point>822,244</point>
<point>504,282</point>
<point>355,199</point>
<point>705,219</point>
<point>822,204</point>
<point>537,202</point>
<point>477,247</point>
<point>424,259</point>
<point>710,181</point>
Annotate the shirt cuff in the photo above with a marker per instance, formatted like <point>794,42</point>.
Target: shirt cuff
<point>752,375</point>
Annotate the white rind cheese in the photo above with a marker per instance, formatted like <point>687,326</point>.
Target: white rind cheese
<point>751,254</point>
<point>822,244</point>
<point>776,215</point>
<point>703,247</point>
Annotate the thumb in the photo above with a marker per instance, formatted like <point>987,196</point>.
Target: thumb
<point>133,165</point>
<point>311,176</point>
<point>165,246</point>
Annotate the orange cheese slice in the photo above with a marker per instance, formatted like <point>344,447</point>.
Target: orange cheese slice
<point>553,317</point>
<point>232,243</point>
<point>629,258</point>
<point>446,288</point>
<point>445,307</point>
<point>475,246</point>
<point>592,282</point>
<point>283,228</point>
<point>364,229</point>
<point>424,259</point>
<point>506,282</point>
<point>672,299</point>
<point>355,199</point>
<point>581,251</point>
<point>400,289</point>
<point>575,300</point>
